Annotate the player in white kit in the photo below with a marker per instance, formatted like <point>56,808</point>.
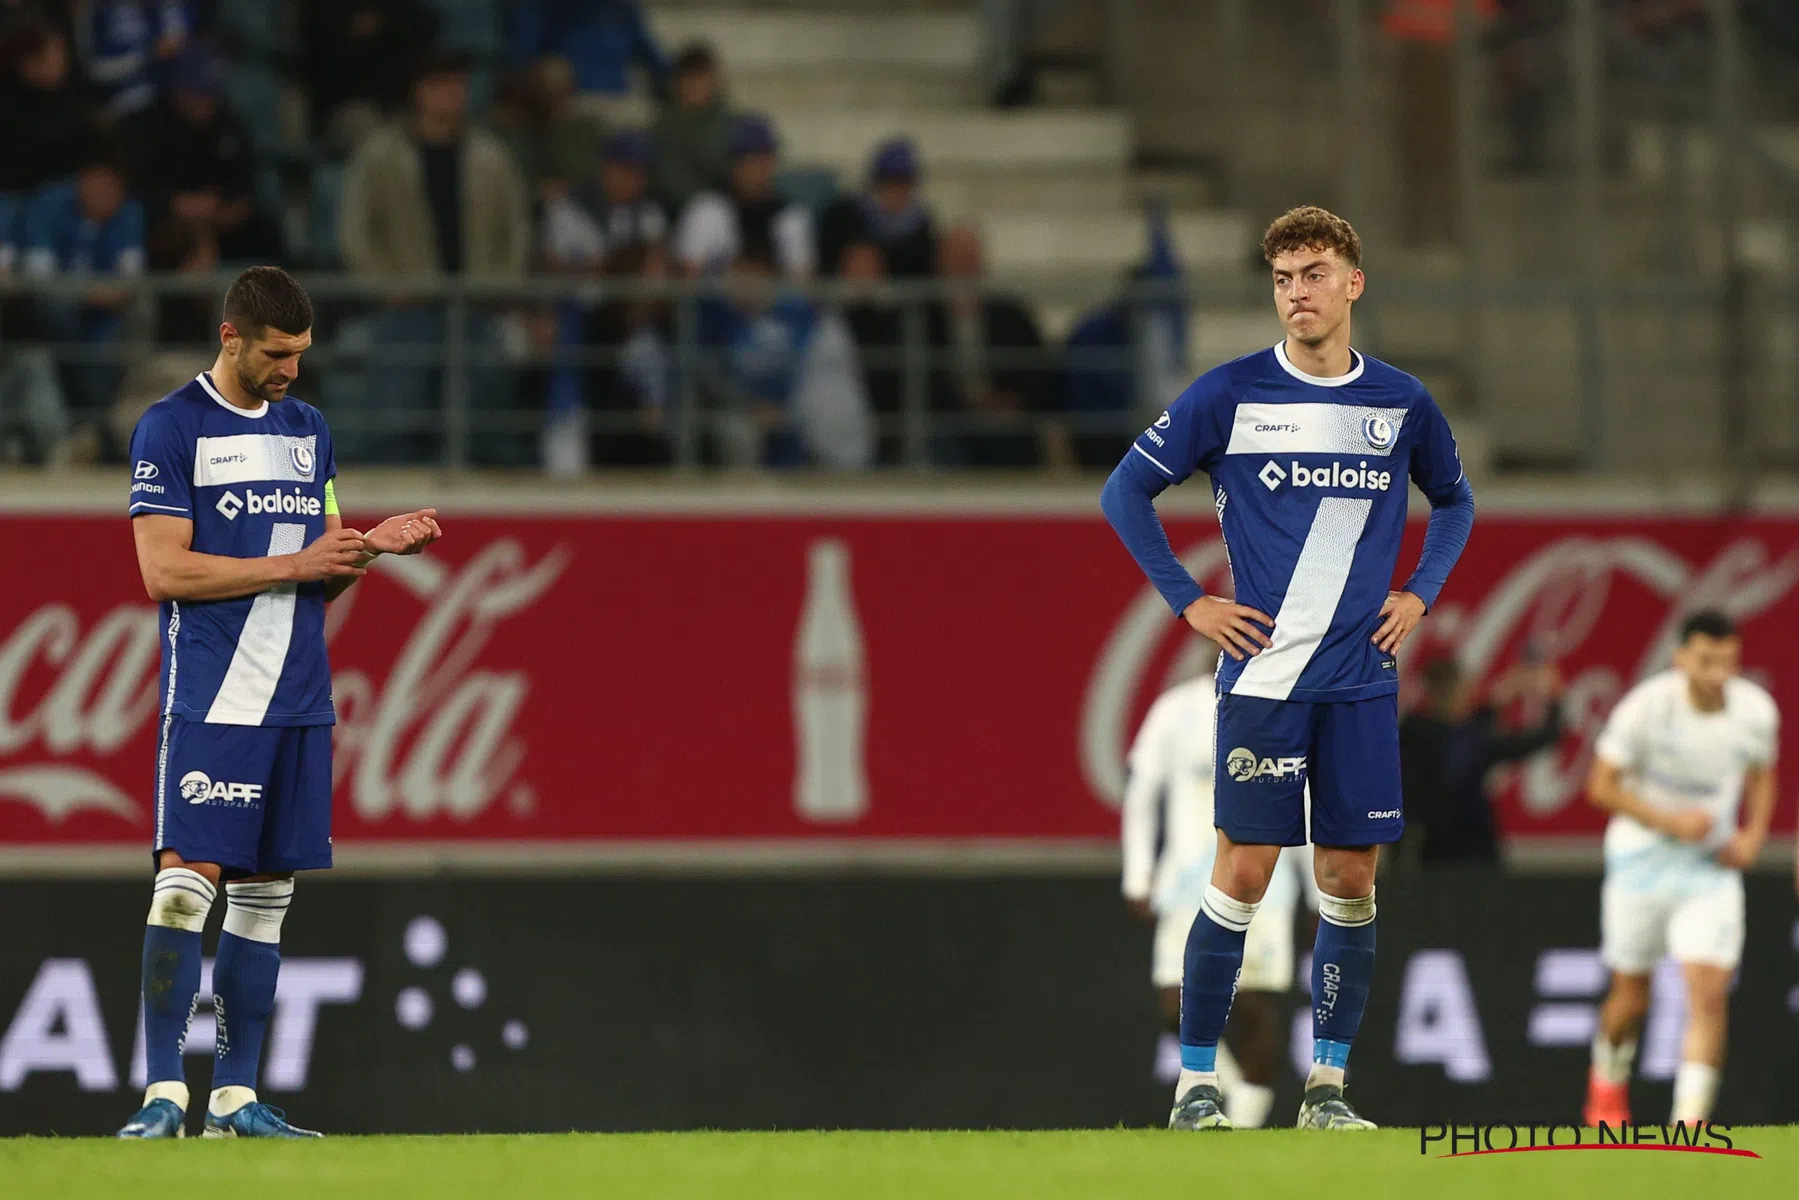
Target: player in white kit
<point>1170,792</point>
<point>1686,768</point>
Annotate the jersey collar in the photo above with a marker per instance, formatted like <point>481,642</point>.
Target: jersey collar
<point>1355,372</point>
<point>257,413</point>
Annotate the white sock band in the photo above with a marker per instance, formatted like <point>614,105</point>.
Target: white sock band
<point>1232,914</point>
<point>180,899</point>
<point>255,910</point>
<point>1347,913</point>
<point>1695,1088</point>
<point>1612,1060</point>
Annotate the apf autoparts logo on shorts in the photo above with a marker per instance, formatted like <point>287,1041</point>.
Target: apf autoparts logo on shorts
<point>197,787</point>
<point>1244,766</point>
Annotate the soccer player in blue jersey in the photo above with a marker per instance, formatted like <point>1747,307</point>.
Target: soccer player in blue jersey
<point>234,512</point>
<point>1308,446</point>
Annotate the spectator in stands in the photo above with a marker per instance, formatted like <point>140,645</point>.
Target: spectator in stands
<point>601,38</point>
<point>877,323</point>
<point>991,370</point>
<point>572,137</point>
<point>888,213</point>
<point>692,135</point>
<point>785,375</point>
<point>185,247</point>
<point>43,118</point>
<point>1099,379</point>
<point>1450,744</point>
<point>122,44</point>
<point>608,212</point>
<point>88,228</point>
<point>715,225</point>
<point>434,196</point>
<point>359,57</point>
<point>1430,206</point>
<point>1525,40</point>
<point>632,390</point>
<point>195,164</point>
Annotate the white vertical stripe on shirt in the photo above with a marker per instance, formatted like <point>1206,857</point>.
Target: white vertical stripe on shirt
<point>1313,594</point>
<point>256,664</point>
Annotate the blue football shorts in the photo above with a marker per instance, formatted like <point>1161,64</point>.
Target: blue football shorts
<point>254,799</point>
<point>1269,750</point>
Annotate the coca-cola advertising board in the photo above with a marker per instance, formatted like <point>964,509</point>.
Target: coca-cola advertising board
<point>565,683</point>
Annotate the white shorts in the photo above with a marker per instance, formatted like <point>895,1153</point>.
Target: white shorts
<point>1267,950</point>
<point>1637,927</point>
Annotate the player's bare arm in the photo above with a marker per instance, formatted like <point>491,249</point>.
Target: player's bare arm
<point>1606,790</point>
<point>406,533</point>
<point>173,571</point>
<point>1745,845</point>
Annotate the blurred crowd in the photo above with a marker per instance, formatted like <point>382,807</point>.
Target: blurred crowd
<point>403,138</point>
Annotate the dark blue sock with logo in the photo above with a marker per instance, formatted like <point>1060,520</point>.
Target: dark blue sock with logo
<point>244,976</point>
<point>1209,978</point>
<point>1342,972</point>
<point>179,902</point>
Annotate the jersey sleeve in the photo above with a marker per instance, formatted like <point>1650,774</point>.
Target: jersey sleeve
<point>1436,465</point>
<point>1765,745</point>
<point>1621,741</point>
<point>162,465</point>
<point>1191,435</point>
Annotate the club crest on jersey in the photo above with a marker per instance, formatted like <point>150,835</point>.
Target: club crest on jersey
<point>303,461</point>
<point>1378,432</point>
<point>1244,766</point>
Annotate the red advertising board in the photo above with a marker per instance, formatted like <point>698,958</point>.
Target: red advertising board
<point>682,677</point>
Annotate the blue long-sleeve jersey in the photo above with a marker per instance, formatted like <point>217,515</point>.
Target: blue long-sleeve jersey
<point>1309,480</point>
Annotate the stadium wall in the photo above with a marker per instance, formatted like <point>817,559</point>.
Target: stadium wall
<point>766,675</point>
<point>868,1001</point>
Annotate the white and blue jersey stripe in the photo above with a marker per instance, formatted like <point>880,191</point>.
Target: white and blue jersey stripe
<point>1309,479</point>
<point>253,481</point>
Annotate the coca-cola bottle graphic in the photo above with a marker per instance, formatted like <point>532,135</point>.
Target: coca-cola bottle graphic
<point>830,702</point>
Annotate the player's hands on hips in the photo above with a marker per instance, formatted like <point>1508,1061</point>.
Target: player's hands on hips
<point>336,553</point>
<point>1741,851</point>
<point>1399,616</point>
<point>1232,626</point>
<point>408,533</point>
<point>1689,824</point>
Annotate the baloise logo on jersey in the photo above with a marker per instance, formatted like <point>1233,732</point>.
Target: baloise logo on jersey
<point>274,502</point>
<point>1331,475</point>
<point>1244,766</point>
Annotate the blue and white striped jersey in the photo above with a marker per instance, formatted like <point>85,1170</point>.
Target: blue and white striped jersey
<point>254,483</point>
<point>1309,479</point>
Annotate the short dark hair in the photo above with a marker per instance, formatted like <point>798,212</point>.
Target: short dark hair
<point>694,56</point>
<point>1707,622</point>
<point>265,297</point>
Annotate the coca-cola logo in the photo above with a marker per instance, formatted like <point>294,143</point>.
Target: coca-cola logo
<point>434,736</point>
<point>1568,595</point>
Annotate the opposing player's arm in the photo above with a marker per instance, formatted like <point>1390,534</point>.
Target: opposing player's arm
<point>1745,845</point>
<point>1144,788</point>
<point>1606,789</point>
<point>172,570</point>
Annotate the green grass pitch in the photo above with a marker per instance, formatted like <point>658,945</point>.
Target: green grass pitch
<point>1147,1164</point>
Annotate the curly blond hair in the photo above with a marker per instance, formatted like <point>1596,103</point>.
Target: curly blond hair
<point>1312,228</point>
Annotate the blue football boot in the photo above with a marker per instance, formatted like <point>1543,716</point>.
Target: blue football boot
<point>157,1119</point>
<point>254,1120</point>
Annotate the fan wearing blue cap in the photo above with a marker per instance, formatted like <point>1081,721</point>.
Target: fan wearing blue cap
<point>716,225</point>
<point>888,213</point>
<point>602,216</point>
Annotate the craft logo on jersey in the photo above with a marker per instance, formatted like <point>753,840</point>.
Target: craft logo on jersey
<point>1243,765</point>
<point>1332,475</point>
<point>145,470</point>
<point>275,503</point>
<point>197,787</point>
<point>302,456</point>
<point>1378,432</point>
